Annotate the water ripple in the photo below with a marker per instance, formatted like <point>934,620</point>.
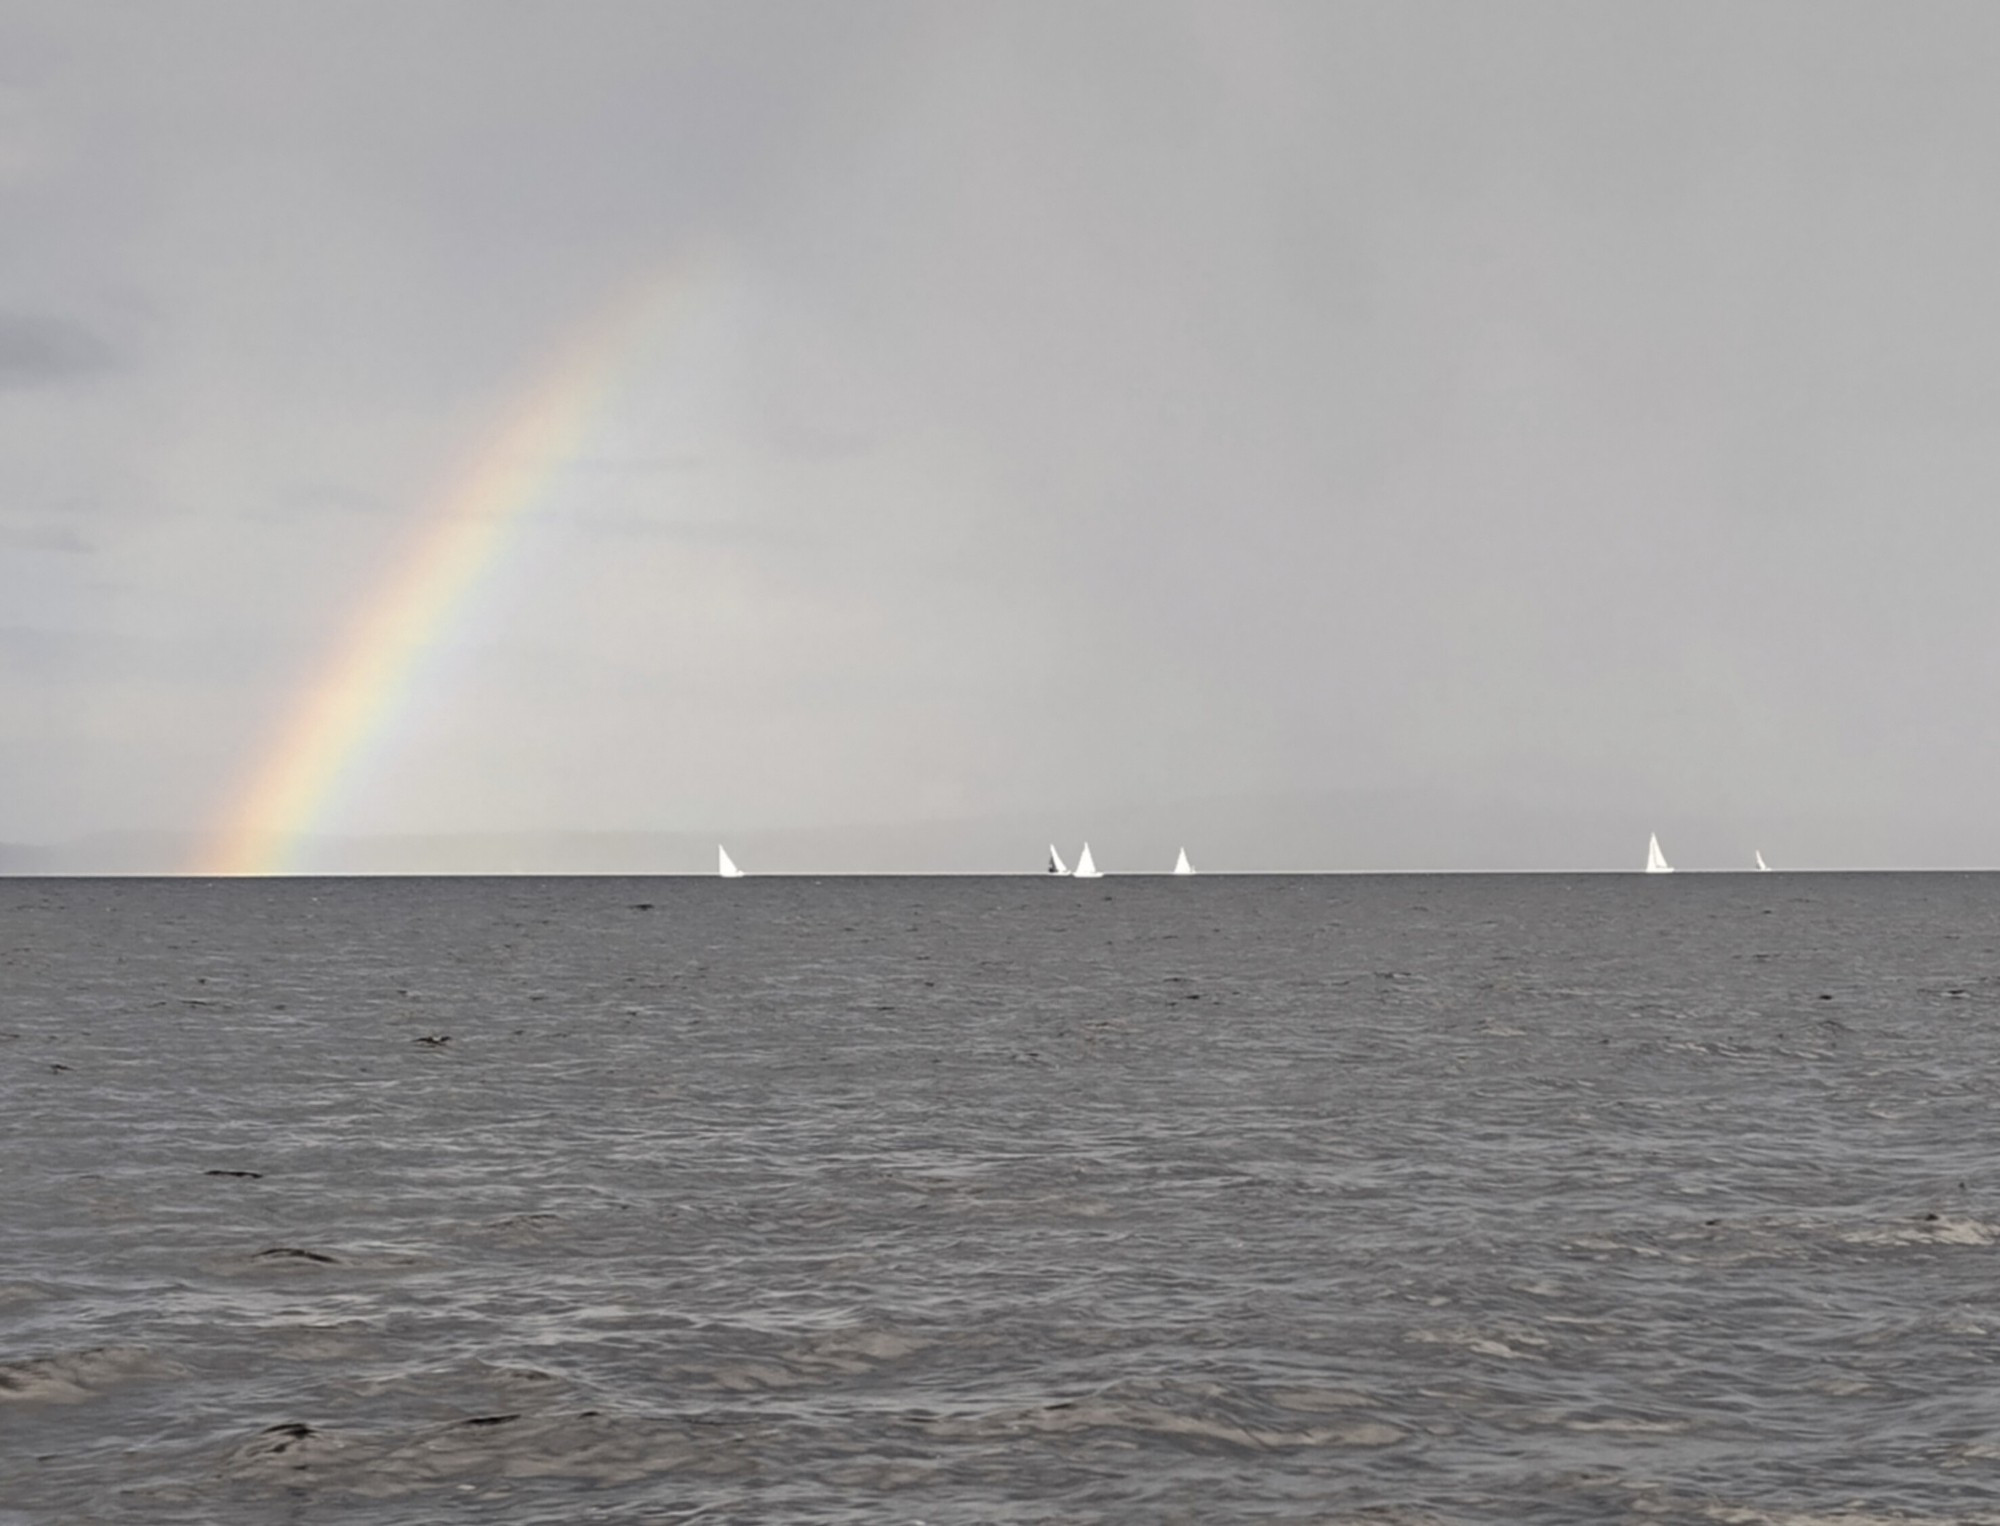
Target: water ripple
<point>1387,1200</point>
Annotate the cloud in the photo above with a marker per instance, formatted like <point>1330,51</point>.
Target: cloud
<point>43,537</point>
<point>41,352</point>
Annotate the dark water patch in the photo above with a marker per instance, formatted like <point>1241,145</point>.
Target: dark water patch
<point>295,1253</point>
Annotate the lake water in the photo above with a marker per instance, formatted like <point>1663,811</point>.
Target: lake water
<point>1330,1199</point>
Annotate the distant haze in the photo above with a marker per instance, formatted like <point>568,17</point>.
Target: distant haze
<point>1390,435</point>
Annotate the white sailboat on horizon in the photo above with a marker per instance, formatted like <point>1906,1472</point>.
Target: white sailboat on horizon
<point>725,865</point>
<point>1656,861</point>
<point>1086,866</point>
<point>1181,864</point>
<point>1758,854</point>
<point>1056,865</point>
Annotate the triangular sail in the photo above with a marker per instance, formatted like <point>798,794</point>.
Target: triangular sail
<point>1656,861</point>
<point>1758,854</point>
<point>1181,864</point>
<point>1086,866</point>
<point>725,865</point>
<point>1056,865</point>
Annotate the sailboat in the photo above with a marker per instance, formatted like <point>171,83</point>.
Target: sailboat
<point>1181,865</point>
<point>1656,861</point>
<point>1086,866</point>
<point>1758,854</point>
<point>1056,865</point>
<point>725,865</point>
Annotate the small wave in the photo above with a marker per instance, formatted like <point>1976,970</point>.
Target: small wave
<point>1201,1414</point>
<point>1157,1420</point>
<point>589,1447</point>
<point>1931,1229</point>
<point>75,1376</point>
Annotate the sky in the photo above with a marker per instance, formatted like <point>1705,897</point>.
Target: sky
<point>1335,435</point>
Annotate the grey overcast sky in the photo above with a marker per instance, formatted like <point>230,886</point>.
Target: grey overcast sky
<point>1560,420</point>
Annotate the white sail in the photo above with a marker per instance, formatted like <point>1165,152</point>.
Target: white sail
<point>725,865</point>
<point>1181,865</point>
<point>1758,854</point>
<point>1056,865</point>
<point>1086,866</point>
<point>1656,861</point>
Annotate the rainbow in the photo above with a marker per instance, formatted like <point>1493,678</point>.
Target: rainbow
<point>354,699</point>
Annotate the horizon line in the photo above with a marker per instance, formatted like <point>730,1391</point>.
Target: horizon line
<point>905,874</point>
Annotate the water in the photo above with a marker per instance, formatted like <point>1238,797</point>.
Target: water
<point>1393,1200</point>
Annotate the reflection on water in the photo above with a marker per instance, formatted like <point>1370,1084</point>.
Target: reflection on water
<point>1344,1199</point>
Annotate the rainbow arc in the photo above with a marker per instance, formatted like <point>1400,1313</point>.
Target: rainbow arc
<point>354,699</point>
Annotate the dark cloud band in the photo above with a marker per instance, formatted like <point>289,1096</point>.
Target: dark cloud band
<point>39,352</point>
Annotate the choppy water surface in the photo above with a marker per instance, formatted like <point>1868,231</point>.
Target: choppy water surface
<point>1306,1199</point>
